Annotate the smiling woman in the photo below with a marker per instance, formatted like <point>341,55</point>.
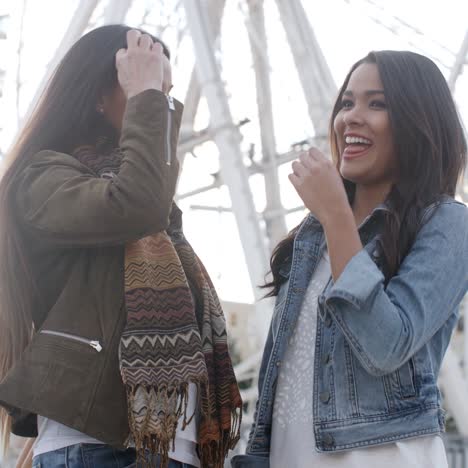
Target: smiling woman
<point>418,148</point>
<point>363,129</point>
<point>369,285</point>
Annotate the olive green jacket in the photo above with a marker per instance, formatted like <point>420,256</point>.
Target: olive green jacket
<point>74,227</point>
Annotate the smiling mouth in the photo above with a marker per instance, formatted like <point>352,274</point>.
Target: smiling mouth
<point>356,146</point>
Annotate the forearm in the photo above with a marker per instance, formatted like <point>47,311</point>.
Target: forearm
<point>387,323</point>
<point>343,240</point>
<point>148,142</point>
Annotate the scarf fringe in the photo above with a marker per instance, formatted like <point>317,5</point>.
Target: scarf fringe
<point>159,403</point>
<point>155,433</point>
<point>213,453</point>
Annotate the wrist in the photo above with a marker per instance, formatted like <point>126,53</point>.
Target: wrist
<point>338,218</point>
<point>137,90</point>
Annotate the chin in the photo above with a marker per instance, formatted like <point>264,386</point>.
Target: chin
<point>351,174</point>
<point>357,171</point>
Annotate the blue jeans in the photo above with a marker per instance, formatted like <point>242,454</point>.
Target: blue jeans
<point>94,456</point>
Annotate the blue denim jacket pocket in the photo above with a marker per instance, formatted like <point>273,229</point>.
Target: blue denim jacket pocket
<point>400,387</point>
<point>406,375</point>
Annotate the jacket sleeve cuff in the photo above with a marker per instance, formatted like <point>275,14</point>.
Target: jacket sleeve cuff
<point>358,282</point>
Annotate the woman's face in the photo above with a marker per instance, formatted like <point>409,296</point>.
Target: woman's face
<point>362,127</point>
<point>114,103</point>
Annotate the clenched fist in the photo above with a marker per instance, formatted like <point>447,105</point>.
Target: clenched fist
<point>319,184</point>
<point>142,65</point>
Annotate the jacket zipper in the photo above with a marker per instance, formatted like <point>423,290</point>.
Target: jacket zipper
<point>93,343</point>
<point>170,101</point>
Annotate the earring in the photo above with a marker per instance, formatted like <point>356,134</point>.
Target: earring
<point>100,109</point>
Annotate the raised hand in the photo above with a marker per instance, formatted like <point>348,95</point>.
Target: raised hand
<point>319,185</point>
<point>141,66</point>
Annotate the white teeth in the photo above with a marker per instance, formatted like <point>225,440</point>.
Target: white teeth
<point>349,140</point>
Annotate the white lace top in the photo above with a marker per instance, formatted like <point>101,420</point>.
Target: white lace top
<point>292,439</point>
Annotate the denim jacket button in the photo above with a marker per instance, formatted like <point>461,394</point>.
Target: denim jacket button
<point>278,363</point>
<point>328,440</point>
<point>325,397</point>
<point>321,300</point>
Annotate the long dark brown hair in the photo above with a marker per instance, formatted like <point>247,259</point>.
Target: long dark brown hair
<point>430,148</point>
<point>64,118</point>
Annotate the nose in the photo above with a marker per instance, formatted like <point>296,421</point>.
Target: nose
<point>353,116</point>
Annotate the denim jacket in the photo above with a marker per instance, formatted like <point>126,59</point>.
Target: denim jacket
<point>379,346</point>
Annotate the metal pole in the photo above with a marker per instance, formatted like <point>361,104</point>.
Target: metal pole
<point>215,12</point>
<point>227,137</point>
<point>192,98</point>
<point>315,76</point>
<point>275,225</point>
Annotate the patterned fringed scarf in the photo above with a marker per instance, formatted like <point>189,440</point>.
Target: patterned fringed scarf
<point>175,335</point>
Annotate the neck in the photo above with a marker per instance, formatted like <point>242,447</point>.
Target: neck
<point>367,198</point>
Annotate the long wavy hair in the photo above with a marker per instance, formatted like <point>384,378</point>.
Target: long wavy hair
<point>430,148</point>
<point>64,118</point>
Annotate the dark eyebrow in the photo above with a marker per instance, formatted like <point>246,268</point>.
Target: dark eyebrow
<point>369,92</point>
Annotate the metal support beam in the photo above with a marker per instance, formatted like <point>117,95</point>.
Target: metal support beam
<point>234,173</point>
<point>315,76</point>
<point>192,98</point>
<point>275,226</point>
<point>254,169</point>
<point>225,209</point>
<point>189,140</point>
<point>215,14</point>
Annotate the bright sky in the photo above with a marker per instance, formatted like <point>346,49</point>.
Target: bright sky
<point>345,31</point>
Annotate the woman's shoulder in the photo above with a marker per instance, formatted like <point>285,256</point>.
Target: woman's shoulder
<point>446,208</point>
<point>445,222</point>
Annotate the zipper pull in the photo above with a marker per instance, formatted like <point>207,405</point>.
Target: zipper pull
<point>170,101</point>
<point>96,345</point>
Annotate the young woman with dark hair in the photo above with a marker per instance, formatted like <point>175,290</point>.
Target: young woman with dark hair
<point>112,340</point>
<point>368,286</point>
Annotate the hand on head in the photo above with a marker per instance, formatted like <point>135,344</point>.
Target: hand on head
<point>142,65</point>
